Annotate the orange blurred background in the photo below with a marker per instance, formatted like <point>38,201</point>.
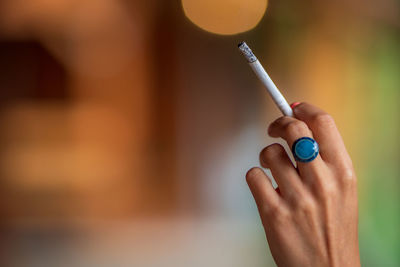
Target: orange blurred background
<point>126,127</point>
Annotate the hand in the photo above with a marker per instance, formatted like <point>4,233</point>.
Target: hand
<point>312,218</point>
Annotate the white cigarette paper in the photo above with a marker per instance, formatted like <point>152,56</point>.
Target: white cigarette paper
<point>273,91</point>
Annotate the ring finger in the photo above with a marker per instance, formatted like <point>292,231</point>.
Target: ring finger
<point>275,158</point>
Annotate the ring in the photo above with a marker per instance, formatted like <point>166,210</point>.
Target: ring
<point>305,149</point>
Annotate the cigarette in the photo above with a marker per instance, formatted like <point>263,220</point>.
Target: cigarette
<point>273,91</point>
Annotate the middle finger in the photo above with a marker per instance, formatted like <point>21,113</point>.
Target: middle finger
<point>291,129</point>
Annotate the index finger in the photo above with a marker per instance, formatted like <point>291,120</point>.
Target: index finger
<point>323,127</point>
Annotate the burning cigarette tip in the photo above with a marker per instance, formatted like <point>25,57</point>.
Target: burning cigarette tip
<point>247,52</point>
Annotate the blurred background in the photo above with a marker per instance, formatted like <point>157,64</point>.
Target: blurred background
<point>127,127</point>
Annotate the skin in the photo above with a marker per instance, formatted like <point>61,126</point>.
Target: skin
<point>311,219</point>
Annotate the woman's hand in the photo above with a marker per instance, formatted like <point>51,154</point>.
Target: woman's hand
<point>311,220</point>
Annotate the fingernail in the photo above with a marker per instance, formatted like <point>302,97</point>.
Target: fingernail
<point>278,191</point>
<point>294,104</point>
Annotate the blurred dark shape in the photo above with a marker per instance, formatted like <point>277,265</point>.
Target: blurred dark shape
<point>29,71</point>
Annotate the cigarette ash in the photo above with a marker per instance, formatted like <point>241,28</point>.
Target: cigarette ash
<point>247,52</point>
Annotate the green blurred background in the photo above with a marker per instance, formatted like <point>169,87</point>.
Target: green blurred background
<point>126,127</point>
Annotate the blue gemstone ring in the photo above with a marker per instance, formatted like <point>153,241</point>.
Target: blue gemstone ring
<point>305,149</point>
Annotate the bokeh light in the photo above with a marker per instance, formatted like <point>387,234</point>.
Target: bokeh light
<point>225,16</point>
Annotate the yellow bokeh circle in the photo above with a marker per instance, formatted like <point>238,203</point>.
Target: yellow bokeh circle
<point>225,16</point>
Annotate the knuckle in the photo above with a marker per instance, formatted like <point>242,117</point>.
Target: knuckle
<point>252,173</point>
<point>277,214</point>
<point>328,190</point>
<point>297,127</point>
<point>275,124</point>
<point>271,151</point>
<point>348,176</point>
<point>305,205</point>
<point>270,210</point>
<point>324,120</point>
